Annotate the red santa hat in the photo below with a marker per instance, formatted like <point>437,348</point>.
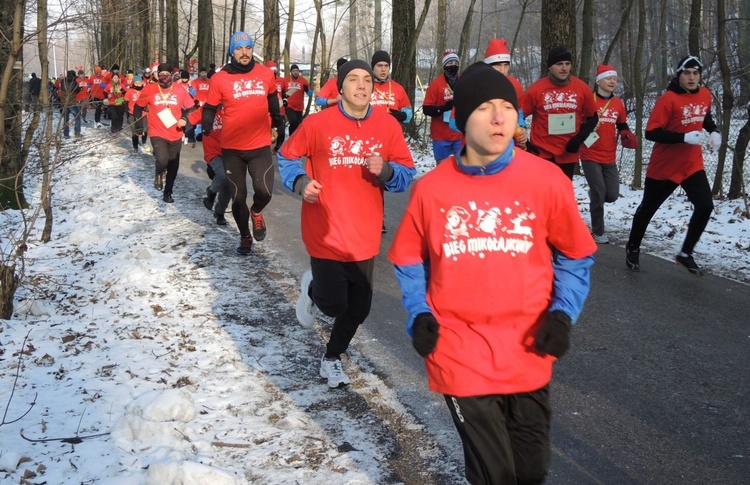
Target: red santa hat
<point>605,70</point>
<point>271,65</point>
<point>497,51</point>
<point>450,56</point>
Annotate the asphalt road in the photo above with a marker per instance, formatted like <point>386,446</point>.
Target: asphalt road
<point>653,390</point>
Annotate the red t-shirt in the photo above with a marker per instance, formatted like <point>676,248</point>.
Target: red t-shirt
<point>519,89</point>
<point>156,99</point>
<point>345,224</point>
<point>83,94</point>
<point>389,95</point>
<point>280,93</point>
<point>201,89</point>
<point>438,93</point>
<point>296,100</point>
<point>611,111</point>
<point>329,90</point>
<point>244,96</point>
<point>97,89</point>
<point>488,242</point>
<point>681,113</point>
<point>543,99</point>
<point>131,96</point>
<point>212,141</point>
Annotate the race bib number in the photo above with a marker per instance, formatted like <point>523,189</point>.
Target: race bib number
<point>561,124</point>
<point>591,139</point>
<point>167,117</point>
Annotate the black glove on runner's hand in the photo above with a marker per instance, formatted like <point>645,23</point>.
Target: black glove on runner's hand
<point>425,334</point>
<point>447,106</point>
<point>398,114</point>
<point>554,335</point>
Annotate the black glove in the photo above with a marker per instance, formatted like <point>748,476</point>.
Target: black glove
<point>398,114</point>
<point>206,128</point>
<point>573,144</point>
<point>199,137</point>
<point>553,337</point>
<point>285,102</point>
<point>447,106</point>
<point>425,331</point>
<point>277,119</point>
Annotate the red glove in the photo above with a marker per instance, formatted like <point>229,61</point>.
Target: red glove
<point>628,139</point>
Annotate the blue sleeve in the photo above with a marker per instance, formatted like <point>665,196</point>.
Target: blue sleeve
<point>572,282</point>
<point>290,169</point>
<point>322,102</point>
<point>409,113</point>
<point>402,177</point>
<point>413,282</point>
<point>192,91</point>
<point>452,124</point>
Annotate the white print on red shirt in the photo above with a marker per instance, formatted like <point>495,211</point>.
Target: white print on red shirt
<point>693,113</point>
<point>246,88</point>
<point>168,99</point>
<point>560,100</point>
<point>382,98</point>
<point>447,93</point>
<point>351,151</point>
<point>476,232</point>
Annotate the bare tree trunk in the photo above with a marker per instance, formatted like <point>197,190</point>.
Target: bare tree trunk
<point>44,99</point>
<point>173,32</point>
<point>403,57</point>
<point>353,50</point>
<point>11,154</point>
<point>145,15</point>
<point>524,8</point>
<point>442,27</point>
<point>727,98</point>
<point>558,28</point>
<point>737,183</point>
<point>205,33</point>
<point>378,41</point>
<point>695,28</point>
<point>319,33</point>
<point>289,34</point>
<point>463,47</point>
<point>587,41</point>
<point>618,33</point>
<point>743,55</point>
<point>639,94</point>
<point>271,30</point>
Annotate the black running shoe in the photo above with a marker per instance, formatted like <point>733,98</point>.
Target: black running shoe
<point>632,258</point>
<point>209,199</point>
<point>246,246</point>
<point>158,181</point>
<point>220,220</point>
<point>168,197</point>
<point>689,263</point>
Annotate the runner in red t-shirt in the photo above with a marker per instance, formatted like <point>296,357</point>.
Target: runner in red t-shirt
<point>562,110</point>
<point>329,94</point>
<point>493,260</point>
<point>137,125</point>
<point>280,124</point>
<point>83,95</point>
<point>295,88</point>
<point>598,150</point>
<point>352,153</point>
<point>116,105</point>
<point>247,91</point>
<point>96,84</point>
<point>168,107</point>
<point>387,94</point>
<point>216,172</point>
<point>438,102</point>
<point>677,125</point>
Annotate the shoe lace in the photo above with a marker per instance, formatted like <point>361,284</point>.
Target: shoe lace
<point>257,221</point>
<point>336,369</point>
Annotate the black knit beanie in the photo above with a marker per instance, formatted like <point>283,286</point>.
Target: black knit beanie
<point>480,83</point>
<point>689,62</point>
<point>341,62</point>
<point>164,67</point>
<point>380,56</point>
<point>350,66</point>
<point>557,54</point>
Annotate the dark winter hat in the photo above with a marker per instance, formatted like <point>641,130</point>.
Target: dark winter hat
<point>380,56</point>
<point>202,69</point>
<point>115,67</point>
<point>293,67</point>
<point>240,39</point>
<point>80,72</point>
<point>478,84</point>
<point>184,74</point>
<point>557,54</point>
<point>341,62</point>
<point>164,67</point>
<point>348,67</point>
<point>689,62</point>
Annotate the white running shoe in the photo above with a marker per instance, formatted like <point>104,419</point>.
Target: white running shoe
<point>603,239</point>
<point>306,309</point>
<point>333,370</point>
<point>98,125</point>
<point>145,149</point>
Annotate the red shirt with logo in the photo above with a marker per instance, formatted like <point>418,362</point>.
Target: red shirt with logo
<point>488,243</point>
<point>296,100</point>
<point>329,90</point>
<point>680,113</point>
<point>157,99</point>
<point>389,95</point>
<point>438,93</point>
<point>212,141</point>
<point>201,87</point>
<point>346,222</point>
<point>546,102</point>
<point>83,94</point>
<point>280,83</point>
<point>611,111</point>
<point>244,96</point>
<point>131,96</point>
<point>97,83</point>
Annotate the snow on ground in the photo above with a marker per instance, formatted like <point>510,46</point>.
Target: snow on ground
<point>151,357</point>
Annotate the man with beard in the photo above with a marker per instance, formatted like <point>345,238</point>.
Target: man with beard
<point>247,92</point>
<point>563,112</point>
<point>438,103</point>
<point>295,88</point>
